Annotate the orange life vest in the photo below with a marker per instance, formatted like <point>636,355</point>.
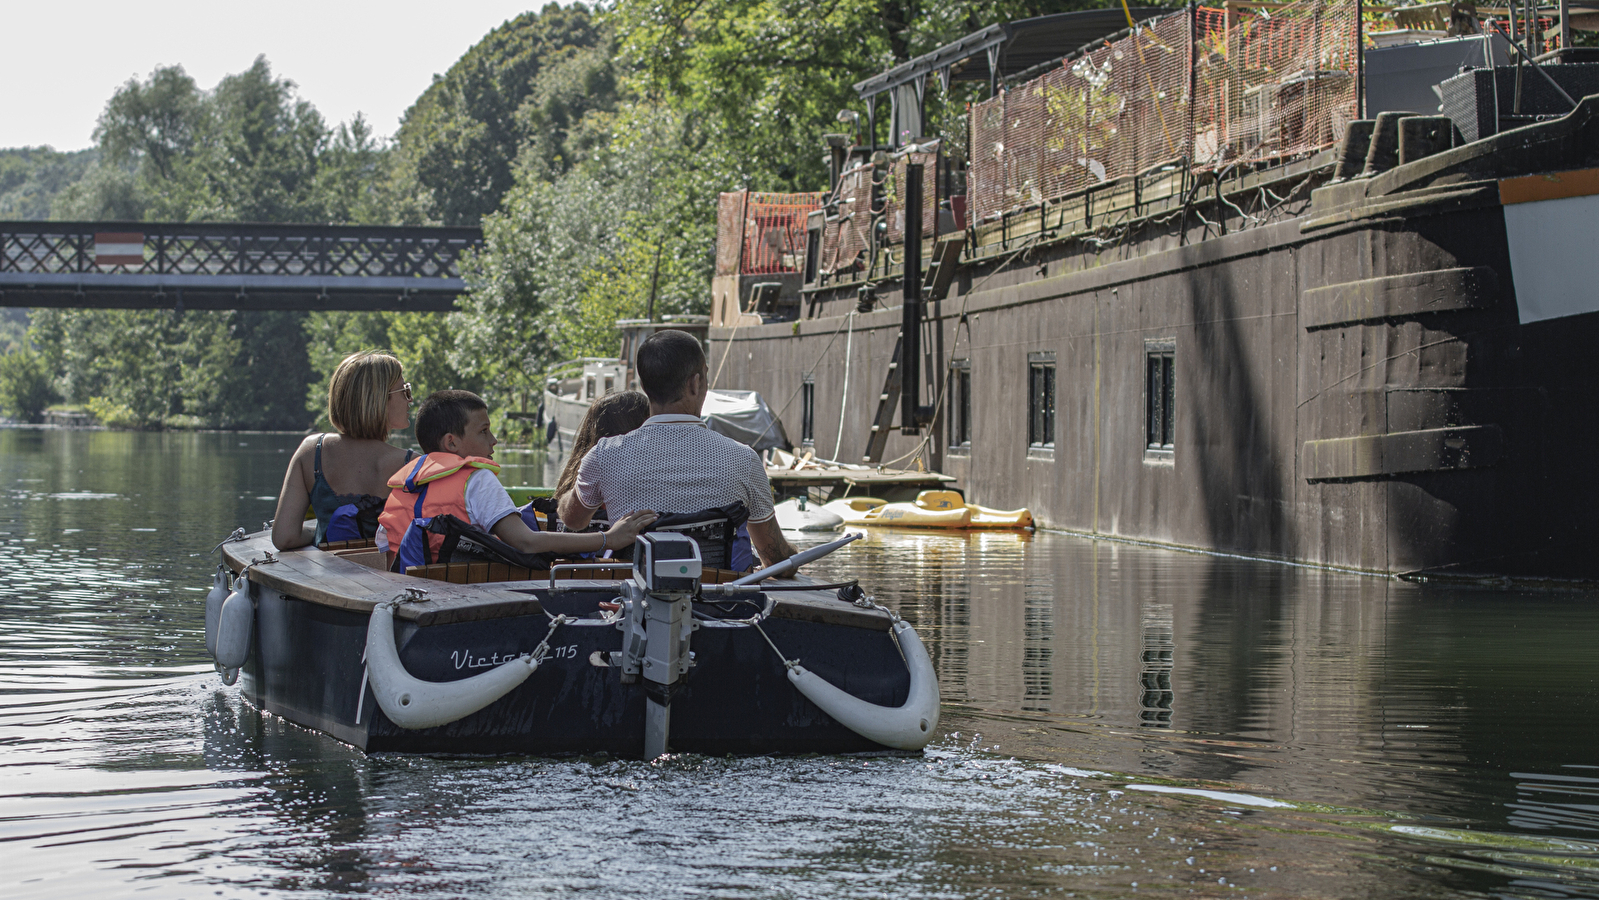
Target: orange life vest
<point>431,485</point>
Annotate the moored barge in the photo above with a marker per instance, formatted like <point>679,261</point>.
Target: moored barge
<point>1198,284</point>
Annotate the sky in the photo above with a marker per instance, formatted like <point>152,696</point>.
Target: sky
<point>62,61</point>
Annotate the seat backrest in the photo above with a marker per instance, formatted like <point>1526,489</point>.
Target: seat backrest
<point>720,533</point>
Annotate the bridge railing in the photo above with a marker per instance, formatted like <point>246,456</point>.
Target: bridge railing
<point>151,248</point>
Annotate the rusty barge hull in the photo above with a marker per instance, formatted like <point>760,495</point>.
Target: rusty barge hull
<point>1357,383</point>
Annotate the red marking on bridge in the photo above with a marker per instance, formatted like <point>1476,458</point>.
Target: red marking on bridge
<point>118,248</point>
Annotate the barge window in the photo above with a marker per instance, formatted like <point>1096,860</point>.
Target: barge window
<point>1041,401</point>
<point>1160,395</point>
<point>610,384</point>
<point>808,411</point>
<point>960,404</point>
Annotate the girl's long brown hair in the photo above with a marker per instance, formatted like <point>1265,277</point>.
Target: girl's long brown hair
<point>608,416</point>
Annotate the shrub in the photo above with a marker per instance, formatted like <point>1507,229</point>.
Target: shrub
<point>25,384</point>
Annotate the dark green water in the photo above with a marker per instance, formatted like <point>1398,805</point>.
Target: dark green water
<point>1118,721</point>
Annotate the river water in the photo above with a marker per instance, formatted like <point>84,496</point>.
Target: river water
<point>1118,721</point>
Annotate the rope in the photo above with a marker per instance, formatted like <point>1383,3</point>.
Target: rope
<point>790,401</point>
<point>843,404</point>
<point>787,663</point>
<point>943,390</point>
<point>237,535</point>
<point>542,651</point>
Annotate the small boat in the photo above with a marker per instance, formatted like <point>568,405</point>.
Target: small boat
<point>633,659</point>
<point>799,514</point>
<point>931,509</point>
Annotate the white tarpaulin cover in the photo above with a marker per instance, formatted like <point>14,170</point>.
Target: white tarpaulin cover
<point>744,417</point>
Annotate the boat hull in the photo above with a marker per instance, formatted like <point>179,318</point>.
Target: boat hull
<point>306,665</point>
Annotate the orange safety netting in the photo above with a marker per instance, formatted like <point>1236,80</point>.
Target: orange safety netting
<point>849,217</point>
<point>762,233</point>
<point>894,202</point>
<point>1214,87</point>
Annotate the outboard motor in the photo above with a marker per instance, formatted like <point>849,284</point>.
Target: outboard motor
<point>658,623</point>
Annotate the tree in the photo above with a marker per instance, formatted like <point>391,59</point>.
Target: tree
<point>459,142</point>
<point>32,177</point>
<point>25,385</point>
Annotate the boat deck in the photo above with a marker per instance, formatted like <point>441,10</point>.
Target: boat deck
<point>347,582</point>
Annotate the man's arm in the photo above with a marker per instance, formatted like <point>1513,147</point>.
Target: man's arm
<point>769,543</point>
<point>573,513</point>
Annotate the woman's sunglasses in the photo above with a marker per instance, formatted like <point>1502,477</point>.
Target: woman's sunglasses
<point>404,388</point>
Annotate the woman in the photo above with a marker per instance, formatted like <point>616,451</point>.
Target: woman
<point>608,416</point>
<point>344,477</point>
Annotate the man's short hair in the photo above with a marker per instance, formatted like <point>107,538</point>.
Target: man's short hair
<point>358,394</point>
<point>442,413</point>
<point>666,361</point>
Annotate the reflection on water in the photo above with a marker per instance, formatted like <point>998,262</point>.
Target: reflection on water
<point>1114,715</point>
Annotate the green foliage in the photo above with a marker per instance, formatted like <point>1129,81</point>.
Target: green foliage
<point>32,177</point>
<point>423,342</point>
<point>233,369</point>
<point>459,143</point>
<point>252,150</point>
<point>590,144</point>
<point>111,415</point>
<point>25,384</point>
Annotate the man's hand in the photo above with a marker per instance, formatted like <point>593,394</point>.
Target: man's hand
<point>769,543</point>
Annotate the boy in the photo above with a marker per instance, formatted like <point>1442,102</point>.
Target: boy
<point>457,475</point>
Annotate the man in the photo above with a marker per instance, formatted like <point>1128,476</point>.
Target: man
<point>673,463</point>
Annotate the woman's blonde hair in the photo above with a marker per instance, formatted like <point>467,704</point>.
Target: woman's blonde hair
<point>358,394</point>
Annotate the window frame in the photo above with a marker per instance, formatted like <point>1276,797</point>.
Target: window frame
<point>808,411</point>
<point>1041,403</point>
<point>1160,399</point>
<point>959,432</point>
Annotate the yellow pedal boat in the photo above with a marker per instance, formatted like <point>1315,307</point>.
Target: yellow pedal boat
<point>932,509</point>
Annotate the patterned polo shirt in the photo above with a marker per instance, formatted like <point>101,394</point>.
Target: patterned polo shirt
<point>673,464</point>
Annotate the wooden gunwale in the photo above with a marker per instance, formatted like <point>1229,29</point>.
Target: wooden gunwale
<point>327,579</point>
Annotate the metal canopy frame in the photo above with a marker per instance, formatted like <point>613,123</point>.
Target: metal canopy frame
<point>1008,48</point>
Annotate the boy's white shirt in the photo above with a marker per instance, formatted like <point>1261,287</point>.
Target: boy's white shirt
<point>487,501</point>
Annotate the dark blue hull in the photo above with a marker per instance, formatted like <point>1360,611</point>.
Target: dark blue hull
<point>307,666</point>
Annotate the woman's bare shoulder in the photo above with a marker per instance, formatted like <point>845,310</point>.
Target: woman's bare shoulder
<point>306,449</point>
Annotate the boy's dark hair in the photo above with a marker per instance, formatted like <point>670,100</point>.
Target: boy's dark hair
<point>666,361</point>
<point>442,413</point>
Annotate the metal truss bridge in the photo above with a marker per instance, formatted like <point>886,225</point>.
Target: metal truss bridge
<point>161,265</point>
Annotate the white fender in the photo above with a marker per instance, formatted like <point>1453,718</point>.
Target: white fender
<point>908,727</point>
<point>213,609</point>
<point>235,623</point>
<point>412,703</point>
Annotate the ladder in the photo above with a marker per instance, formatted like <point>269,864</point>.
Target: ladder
<point>886,402</point>
<point>941,274</point>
